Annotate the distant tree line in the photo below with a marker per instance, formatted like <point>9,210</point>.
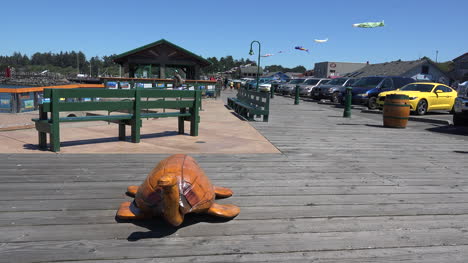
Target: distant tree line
<point>228,62</point>
<point>225,64</point>
<point>72,63</point>
<point>66,63</point>
<point>275,68</point>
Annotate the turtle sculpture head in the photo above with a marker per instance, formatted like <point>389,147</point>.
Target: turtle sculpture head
<point>175,187</point>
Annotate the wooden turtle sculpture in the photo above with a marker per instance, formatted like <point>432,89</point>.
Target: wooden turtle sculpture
<point>175,187</point>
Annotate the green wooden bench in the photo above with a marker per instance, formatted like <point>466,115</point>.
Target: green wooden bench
<point>132,102</point>
<point>250,104</point>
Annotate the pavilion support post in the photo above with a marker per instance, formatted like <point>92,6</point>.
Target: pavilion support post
<point>162,71</point>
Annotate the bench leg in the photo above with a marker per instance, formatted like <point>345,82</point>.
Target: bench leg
<point>42,140</point>
<point>245,113</point>
<point>194,124</point>
<point>136,124</point>
<point>181,122</point>
<point>121,131</point>
<point>265,118</point>
<point>250,116</point>
<point>55,138</point>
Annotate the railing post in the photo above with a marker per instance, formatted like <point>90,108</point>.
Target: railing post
<point>348,99</point>
<point>296,95</point>
<point>272,91</point>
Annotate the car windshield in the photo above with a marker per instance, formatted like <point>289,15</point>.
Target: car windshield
<point>367,82</point>
<point>418,87</point>
<point>338,81</point>
<point>311,81</point>
<point>296,81</point>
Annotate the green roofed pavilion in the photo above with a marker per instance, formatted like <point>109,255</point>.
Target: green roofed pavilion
<point>159,60</point>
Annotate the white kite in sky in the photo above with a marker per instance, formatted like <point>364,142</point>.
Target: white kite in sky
<point>369,24</point>
<point>266,55</point>
<point>321,40</point>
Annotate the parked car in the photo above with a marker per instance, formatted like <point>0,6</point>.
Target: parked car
<point>366,89</point>
<point>424,96</point>
<point>332,89</point>
<point>281,86</point>
<point>288,89</point>
<point>305,89</point>
<point>276,84</point>
<point>244,81</point>
<point>460,109</point>
<point>264,84</point>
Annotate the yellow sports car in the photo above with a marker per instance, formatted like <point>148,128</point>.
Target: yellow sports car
<point>424,96</point>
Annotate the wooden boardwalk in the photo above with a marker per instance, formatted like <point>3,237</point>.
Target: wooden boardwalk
<point>342,190</point>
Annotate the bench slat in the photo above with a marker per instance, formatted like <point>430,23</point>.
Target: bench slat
<point>165,115</point>
<point>118,105</point>
<point>108,93</point>
<point>89,118</point>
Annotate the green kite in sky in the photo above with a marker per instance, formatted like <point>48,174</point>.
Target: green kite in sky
<point>369,24</point>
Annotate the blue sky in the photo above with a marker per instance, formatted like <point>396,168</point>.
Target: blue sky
<point>414,28</point>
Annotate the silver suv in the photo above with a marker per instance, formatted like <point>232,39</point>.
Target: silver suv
<point>460,114</point>
<point>331,91</point>
<point>288,88</point>
<point>305,88</point>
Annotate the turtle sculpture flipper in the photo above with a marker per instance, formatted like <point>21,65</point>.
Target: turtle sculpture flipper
<point>222,192</point>
<point>226,211</point>
<point>128,210</point>
<point>175,187</point>
<point>132,190</point>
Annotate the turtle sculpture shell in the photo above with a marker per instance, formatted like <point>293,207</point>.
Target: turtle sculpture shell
<point>175,187</point>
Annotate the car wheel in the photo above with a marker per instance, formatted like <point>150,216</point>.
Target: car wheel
<point>372,103</point>
<point>421,109</point>
<point>335,97</point>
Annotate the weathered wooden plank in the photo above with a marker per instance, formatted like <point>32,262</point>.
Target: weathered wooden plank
<point>246,244</point>
<point>122,184</point>
<point>434,254</point>
<point>195,226</point>
<point>249,201</point>
<point>113,190</point>
<point>106,216</point>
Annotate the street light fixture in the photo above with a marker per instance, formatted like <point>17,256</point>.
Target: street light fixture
<point>258,63</point>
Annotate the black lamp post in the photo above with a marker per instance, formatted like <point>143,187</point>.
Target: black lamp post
<point>258,63</point>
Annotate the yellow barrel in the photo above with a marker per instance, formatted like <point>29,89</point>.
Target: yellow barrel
<point>396,111</point>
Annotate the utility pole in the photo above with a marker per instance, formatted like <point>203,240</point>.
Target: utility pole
<point>90,69</point>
